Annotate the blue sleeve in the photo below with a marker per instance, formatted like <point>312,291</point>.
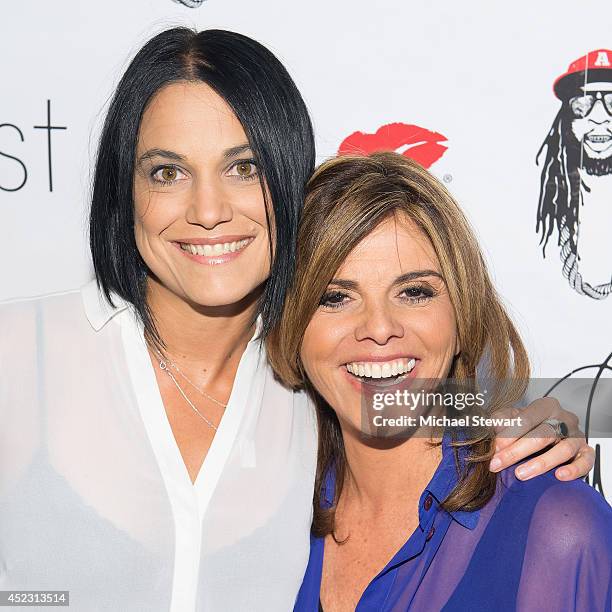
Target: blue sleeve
<point>568,556</point>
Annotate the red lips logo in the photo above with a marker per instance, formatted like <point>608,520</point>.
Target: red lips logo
<point>412,141</point>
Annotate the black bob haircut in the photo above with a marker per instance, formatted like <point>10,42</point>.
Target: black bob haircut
<point>272,112</point>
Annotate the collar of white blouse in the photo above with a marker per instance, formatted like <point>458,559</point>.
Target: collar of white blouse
<point>97,308</point>
<point>99,311</point>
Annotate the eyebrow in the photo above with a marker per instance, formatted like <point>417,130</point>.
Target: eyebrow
<point>167,154</point>
<point>234,151</point>
<point>151,153</point>
<point>400,280</point>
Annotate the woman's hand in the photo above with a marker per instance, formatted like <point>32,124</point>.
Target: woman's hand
<point>516,443</point>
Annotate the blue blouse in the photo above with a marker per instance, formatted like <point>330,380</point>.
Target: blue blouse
<point>536,545</point>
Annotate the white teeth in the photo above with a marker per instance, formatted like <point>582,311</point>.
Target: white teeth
<point>379,369</point>
<point>208,250</point>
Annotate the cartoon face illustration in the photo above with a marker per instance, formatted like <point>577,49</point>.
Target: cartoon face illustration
<point>576,181</point>
<point>592,119</point>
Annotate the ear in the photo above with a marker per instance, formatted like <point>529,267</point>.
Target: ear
<point>457,345</point>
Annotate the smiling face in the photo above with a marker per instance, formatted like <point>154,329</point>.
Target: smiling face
<point>594,130</point>
<point>200,218</point>
<point>386,311</point>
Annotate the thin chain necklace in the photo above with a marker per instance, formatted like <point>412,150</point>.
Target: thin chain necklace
<point>165,365</point>
<point>200,391</point>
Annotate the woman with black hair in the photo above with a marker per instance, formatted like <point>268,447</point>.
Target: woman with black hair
<point>150,459</point>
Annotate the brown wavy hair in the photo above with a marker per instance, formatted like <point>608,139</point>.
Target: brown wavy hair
<point>347,198</point>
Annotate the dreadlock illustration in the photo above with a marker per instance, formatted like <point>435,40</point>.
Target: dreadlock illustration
<point>578,144</point>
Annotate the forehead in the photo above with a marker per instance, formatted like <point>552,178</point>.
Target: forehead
<point>394,247</point>
<point>597,86</point>
<point>188,115</point>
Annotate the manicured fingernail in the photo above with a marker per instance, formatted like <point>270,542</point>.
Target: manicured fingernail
<point>495,464</point>
<point>497,448</point>
<point>524,471</point>
<point>563,473</point>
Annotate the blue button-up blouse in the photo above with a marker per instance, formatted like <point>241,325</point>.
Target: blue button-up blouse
<point>536,545</point>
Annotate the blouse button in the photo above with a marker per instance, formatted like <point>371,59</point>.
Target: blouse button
<point>430,534</point>
<point>427,503</point>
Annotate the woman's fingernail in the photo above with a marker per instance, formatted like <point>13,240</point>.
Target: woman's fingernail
<point>524,471</point>
<point>563,473</point>
<point>495,464</point>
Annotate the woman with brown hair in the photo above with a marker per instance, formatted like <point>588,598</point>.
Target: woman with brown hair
<point>391,287</point>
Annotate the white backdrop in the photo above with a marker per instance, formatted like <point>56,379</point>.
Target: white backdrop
<point>479,73</point>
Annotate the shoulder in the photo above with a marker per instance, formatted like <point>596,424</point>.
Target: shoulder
<point>564,518</point>
<point>21,307</point>
<point>22,321</point>
<point>572,517</point>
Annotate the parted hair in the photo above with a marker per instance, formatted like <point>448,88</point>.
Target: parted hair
<point>273,114</point>
<point>346,199</point>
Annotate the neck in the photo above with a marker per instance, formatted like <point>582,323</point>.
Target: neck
<point>381,475</point>
<point>210,337</point>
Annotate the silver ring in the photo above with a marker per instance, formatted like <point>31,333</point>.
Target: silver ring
<point>559,427</point>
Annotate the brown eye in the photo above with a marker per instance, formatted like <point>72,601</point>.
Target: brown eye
<point>169,174</point>
<point>244,169</point>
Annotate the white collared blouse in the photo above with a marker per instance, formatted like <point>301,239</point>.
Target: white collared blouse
<point>94,496</point>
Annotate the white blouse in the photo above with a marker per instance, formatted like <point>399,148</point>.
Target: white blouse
<point>95,498</point>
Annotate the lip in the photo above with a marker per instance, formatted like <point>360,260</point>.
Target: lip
<point>212,260</point>
<point>213,241</point>
<point>598,146</point>
<point>412,141</point>
<point>379,358</point>
<point>598,138</point>
<point>359,385</point>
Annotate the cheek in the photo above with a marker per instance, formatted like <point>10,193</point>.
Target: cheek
<point>310,350</point>
<point>251,204</point>
<point>579,128</point>
<point>438,330</point>
<point>153,213</point>
<point>317,351</point>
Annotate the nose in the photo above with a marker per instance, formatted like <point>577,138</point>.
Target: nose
<point>209,205</point>
<point>379,324</point>
<point>599,114</point>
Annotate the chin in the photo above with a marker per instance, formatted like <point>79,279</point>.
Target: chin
<point>603,155</point>
<point>220,299</point>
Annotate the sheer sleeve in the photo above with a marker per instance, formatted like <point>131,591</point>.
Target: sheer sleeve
<point>568,557</point>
